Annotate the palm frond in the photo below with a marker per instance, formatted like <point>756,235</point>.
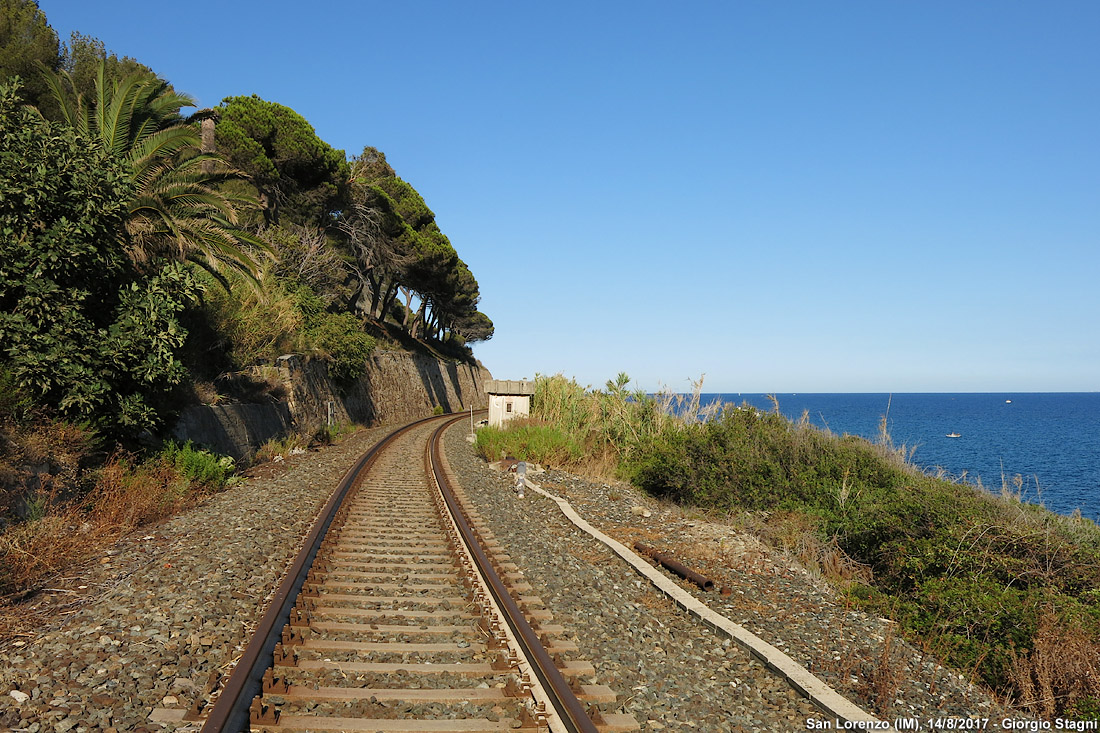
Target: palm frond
<point>179,209</point>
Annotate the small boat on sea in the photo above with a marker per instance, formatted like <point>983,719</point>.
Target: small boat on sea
<point>954,435</point>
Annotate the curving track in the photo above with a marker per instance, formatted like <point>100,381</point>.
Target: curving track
<point>403,614</point>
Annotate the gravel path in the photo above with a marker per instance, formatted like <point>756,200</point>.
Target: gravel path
<point>147,626</point>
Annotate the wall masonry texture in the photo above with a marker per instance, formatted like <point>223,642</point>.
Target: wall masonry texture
<point>397,387</point>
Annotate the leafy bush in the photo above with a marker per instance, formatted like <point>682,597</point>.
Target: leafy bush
<point>748,459</point>
<point>199,467</point>
<point>339,337</point>
<point>81,329</point>
<point>254,326</point>
<point>14,402</point>
<point>286,317</point>
<point>329,434</point>
<point>280,448</point>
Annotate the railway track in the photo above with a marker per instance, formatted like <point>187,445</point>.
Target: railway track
<point>402,613</point>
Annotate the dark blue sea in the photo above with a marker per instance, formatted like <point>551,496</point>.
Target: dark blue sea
<point>1050,440</point>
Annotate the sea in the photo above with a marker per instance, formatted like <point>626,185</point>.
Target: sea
<point>1045,446</point>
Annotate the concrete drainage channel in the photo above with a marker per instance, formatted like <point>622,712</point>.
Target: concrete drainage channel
<point>828,700</point>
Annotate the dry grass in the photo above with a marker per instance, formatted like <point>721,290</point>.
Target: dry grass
<point>1062,668</point>
<point>72,531</point>
<point>35,550</point>
<point>796,535</point>
<point>882,677</point>
<point>280,448</point>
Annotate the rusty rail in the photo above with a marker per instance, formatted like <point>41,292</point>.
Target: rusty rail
<point>675,566</point>
<point>569,708</point>
<point>231,711</point>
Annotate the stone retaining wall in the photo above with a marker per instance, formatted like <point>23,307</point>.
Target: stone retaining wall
<point>398,386</point>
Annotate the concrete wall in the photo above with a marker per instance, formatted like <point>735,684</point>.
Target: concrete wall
<point>397,387</point>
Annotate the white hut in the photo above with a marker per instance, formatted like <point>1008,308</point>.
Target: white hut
<point>508,398</point>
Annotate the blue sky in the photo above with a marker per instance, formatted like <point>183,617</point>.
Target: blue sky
<point>785,196</point>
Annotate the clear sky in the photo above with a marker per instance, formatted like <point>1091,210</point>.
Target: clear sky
<point>795,196</point>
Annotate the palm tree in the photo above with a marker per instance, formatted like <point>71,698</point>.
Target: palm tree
<point>180,209</point>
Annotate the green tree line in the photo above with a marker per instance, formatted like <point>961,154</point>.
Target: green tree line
<point>139,253</point>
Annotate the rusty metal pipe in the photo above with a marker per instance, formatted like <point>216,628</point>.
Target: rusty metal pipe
<point>675,566</point>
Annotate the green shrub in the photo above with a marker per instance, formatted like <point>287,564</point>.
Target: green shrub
<point>329,434</point>
<point>82,330</point>
<point>528,442</point>
<point>339,338</point>
<point>14,402</point>
<point>1002,590</point>
<point>254,325</point>
<point>200,467</point>
<point>286,317</point>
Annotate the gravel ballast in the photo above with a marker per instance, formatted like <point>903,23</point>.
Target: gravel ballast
<point>861,656</point>
<point>144,628</point>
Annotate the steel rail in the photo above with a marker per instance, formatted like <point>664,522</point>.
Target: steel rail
<point>565,702</point>
<point>230,713</point>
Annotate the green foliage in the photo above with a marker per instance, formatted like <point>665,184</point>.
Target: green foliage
<point>179,208</point>
<point>408,204</point>
<point>14,402</point>
<point>580,428</point>
<point>200,467</point>
<point>398,246</point>
<point>301,179</point>
<point>999,589</point>
<point>336,337</point>
<point>339,338</point>
<point>437,410</point>
<point>474,327</point>
<point>329,434</point>
<point>284,317</point>
<point>756,460</point>
<point>35,507</point>
<point>969,573</point>
<point>83,56</point>
<point>27,40</point>
<point>254,326</point>
<point>529,441</point>
<point>610,424</point>
<point>80,329</point>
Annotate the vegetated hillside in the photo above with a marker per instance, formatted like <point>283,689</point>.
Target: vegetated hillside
<point>1002,590</point>
<point>146,264</point>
